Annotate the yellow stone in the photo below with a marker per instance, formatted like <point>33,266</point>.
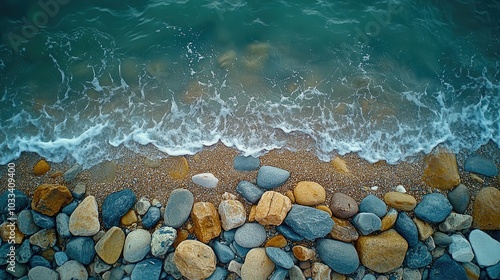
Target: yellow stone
<point>129,218</point>
<point>290,195</point>
<point>251,215</point>
<point>180,169</point>
<point>41,167</point>
<point>389,220</point>
<point>206,221</point>
<point>325,208</point>
<point>309,193</point>
<point>272,208</point>
<point>400,201</point>
<point>303,253</point>
<point>6,229</point>
<point>340,165</point>
<point>441,170</point>
<point>110,246</point>
<point>84,221</point>
<point>486,211</point>
<point>382,253</point>
<point>182,235</point>
<point>277,241</point>
<point>425,230</point>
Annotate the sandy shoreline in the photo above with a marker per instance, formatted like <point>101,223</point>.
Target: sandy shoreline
<point>153,178</point>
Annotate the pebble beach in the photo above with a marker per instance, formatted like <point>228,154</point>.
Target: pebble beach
<point>284,215</point>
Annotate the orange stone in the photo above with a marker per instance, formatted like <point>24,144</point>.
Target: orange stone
<point>277,241</point>
<point>48,199</point>
<point>41,167</point>
<point>5,231</point>
<point>382,253</point>
<point>129,218</point>
<point>441,170</point>
<point>206,221</point>
<point>182,235</point>
<point>303,253</point>
<point>343,230</point>
<point>400,201</point>
<point>486,212</point>
<point>272,208</point>
<point>325,208</point>
<point>339,165</point>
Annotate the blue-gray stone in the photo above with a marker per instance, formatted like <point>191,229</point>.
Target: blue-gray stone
<point>116,273</point>
<point>279,257</point>
<point>44,273</point>
<point>240,251</point>
<point>116,205</point>
<point>22,201</point>
<point>19,270</point>
<point>61,258</point>
<point>288,233</point>
<point>25,222</point>
<point>249,191</point>
<point>71,173</point>
<point>459,198</point>
<point>223,252</point>
<point>228,235</point>
<point>417,256</point>
<point>481,165</point>
<point>441,239</point>
<point>341,257</point>
<point>367,223</point>
<point>373,204</point>
<point>81,249</point>
<point>407,229</point>
<point>38,260</point>
<point>279,274</point>
<point>220,273</point>
<point>151,217</point>
<point>148,269</point>
<point>249,163</point>
<point>433,208</point>
<point>42,220</point>
<point>369,277</point>
<point>72,270</point>
<point>270,177</point>
<point>250,235</point>
<point>178,208</point>
<point>4,275</point>
<point>24,252</point>
<point>170,268</point>
<point>62,225</point>
<point>68,209</point>
<point>493,271</point>
<point>4,250</point>
<point>445,268</point>
<point>310,223</point>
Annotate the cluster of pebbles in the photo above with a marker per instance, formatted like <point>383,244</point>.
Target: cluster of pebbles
<point>62,233</point>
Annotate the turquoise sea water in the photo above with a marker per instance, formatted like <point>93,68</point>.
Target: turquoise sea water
<point>385,79</point>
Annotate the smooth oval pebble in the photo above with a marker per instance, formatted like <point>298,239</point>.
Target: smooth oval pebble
<point>250,235</point>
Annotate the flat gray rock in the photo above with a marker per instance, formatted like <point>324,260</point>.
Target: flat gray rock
<point>373,204</point>
<point>223,252</point>
<point>459,198</point>
<point>367,223</point>
<point>72,270</point>
<point>308,222</point>
<point>81,249</point>
<point>62,225</point>
<point>25,222</point>
<point>445,266</point>
<point>137,245</point>
<point>71,173</point>
<point>250,235</point>
<point>460,249</point>
<point>249,163</point>
<point>41,272</point>
<point>407,229</point>
<point>148,269</point>
<point>206,180</point>
<point>279,257</point>
<point>249,191</point>
<point>455,222</point>
<point>486,249</point>
<point>270,177</point>
<point>151,218</point>
<point>178,208</point>
<point>341,257</point>
<point>481,165</point>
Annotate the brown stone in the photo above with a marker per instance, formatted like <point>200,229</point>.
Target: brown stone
<point>110,246</point>
<point>340,165</point>
<point>129,218</point>
<point>389,220</point>
<point>277,241</point>
<point>206,221</point>
<point>6,229</point>
<point>309,193</point>
<point>48,254</point>
<point>320,271</point>
<point>343,230</point>
<point>343,206</point>
<point>182,235</point>
<point>179,168</point>
<point>194,259</point>
<point>303,253</point>
<point>382,253</point>
<point>272,208</point>
<point>84,221</point>
<point>44,238</point>
<point>41,167</point>
<point>486,212</point>
<point>425,230</point>
<point>441,170</point>
<point>257,265</point>
<point>48,199</point>
<point>400,201</point>
<point>56,174</point>
<point>325,208</point>
<point>290,195</point>
<point>251,215</point>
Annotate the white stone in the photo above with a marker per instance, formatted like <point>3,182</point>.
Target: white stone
<point>206,180</point>
<point>235,267</point>
<point>137,245</point>
<point>374,188</point>
<point>460,249</point>
<point>162,239</point>
<point>486,248</point>
<point>142,206</point>
<point>232,214</point>
<point>400,189</point>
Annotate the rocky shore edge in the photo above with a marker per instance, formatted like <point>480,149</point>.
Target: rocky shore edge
<point>60,233</point>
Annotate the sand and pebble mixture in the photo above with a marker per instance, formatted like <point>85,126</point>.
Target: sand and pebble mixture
<point>285,215</point>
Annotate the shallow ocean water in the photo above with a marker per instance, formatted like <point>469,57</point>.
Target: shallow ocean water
<point>385,79</point>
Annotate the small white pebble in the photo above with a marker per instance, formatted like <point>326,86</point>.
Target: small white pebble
<point>374,188</point>
<point>400,189</point>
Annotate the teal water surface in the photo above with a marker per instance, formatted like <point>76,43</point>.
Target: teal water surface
<point>385,79</point>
